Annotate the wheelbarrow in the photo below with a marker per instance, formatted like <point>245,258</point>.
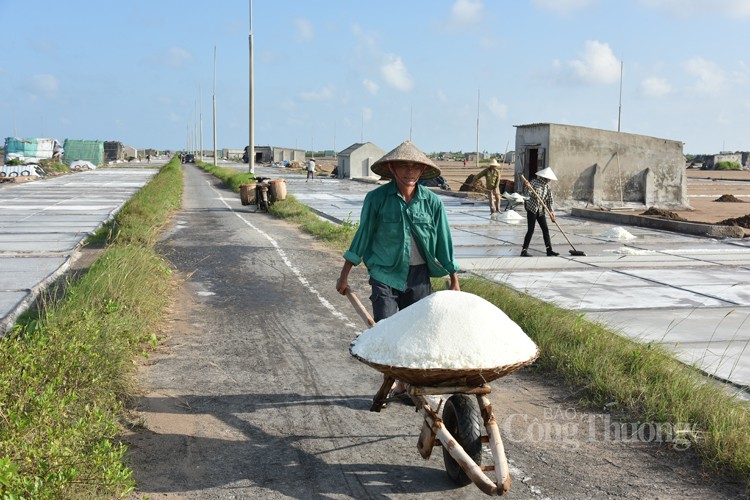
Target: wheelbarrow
<point>458,431</point>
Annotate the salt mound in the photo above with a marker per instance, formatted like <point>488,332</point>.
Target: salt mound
<point>617,233</point>
<point>633,251</point>
<point>510,215</point>
<point>449,330</point>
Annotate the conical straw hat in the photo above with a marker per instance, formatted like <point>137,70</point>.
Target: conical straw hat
<point>406,152</point>
<point>547,173</point>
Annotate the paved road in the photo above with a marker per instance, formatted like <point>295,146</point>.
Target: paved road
<point>43,222</point>
<point>253,393</point>
<point>691,294</point>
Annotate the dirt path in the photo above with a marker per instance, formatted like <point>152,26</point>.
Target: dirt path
<point>253,393</point>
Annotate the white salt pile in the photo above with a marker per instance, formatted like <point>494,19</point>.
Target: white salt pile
<point>633,251</point>
<point>617,233</point>
<point>449,330</point>
<point>510,216</point>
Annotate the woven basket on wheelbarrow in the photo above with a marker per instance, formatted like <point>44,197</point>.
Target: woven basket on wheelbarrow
<point>446,376</point>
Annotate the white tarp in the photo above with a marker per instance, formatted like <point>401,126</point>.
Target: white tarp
<point>19,170</point>
<point>82,165</point>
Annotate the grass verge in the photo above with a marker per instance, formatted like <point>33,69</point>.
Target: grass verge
<point>634,381</point>
<point>66,370</point>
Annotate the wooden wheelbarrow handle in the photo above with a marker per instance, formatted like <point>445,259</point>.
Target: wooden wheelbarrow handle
<point>378,402</point>
<point>359,307</point>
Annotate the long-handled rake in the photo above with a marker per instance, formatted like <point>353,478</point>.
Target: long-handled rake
<point>572,252</point>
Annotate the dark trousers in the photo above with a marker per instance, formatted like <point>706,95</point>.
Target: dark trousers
<point>387,301</point>
<point>311,174</point>
<point>532,219</point>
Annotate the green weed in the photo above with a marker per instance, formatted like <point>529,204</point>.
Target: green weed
<point>66,368</point>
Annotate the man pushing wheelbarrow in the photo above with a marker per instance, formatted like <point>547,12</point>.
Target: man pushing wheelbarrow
<point>403,236</point>
<point>448,343</point>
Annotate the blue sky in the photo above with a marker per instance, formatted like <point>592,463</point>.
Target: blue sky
<point>329,73</point>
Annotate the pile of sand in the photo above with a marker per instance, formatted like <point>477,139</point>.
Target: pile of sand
<point>658,212</point>
<point>449,330</point>
<point>729,198</point>
<point>743,221</point>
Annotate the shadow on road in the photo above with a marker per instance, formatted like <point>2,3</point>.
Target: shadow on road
<point>251,456</point>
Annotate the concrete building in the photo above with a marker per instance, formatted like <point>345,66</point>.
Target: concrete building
<point>714,160</point>
<point>355,161</point>
<point>272,154</point>
<point>601,167</point>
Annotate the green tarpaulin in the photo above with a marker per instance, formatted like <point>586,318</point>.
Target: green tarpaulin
<point>92,151</point>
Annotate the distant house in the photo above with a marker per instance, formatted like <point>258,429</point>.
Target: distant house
<point>30,150</point>
<point>272,154</point>
<point>355,161</point>
<point>713,160</point>
<point>603,167</point>
<point>113,151</point>
<point>129,153</point>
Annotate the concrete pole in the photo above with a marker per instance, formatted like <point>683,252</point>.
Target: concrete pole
<point>251,152</point>
<point>477,158</point>
<point>200,109</point>
<point>215,160</point>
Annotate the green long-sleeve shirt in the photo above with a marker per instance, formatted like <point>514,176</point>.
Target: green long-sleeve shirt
<point>493,177</point>
<point>382,239</point>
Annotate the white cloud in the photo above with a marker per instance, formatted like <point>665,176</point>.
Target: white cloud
<point>366,114</point>
<point>466,12</point>
<point>325,93</point>
<point>497,108</point>
<point>655,87</point>
<point>395,73</point>
<point>710,79</point>
<point>563,6</point>
<point>731,9</point>
<point>176,57</point>
<point>441,96</point>
<point>371,86</point>
<point>304,28</point>
<point>43,46</point>
<point>367,41</point>
<point>42,85</point>
<point>597,65</point>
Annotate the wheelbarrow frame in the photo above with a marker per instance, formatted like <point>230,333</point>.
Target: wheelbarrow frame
<point>433,428</point>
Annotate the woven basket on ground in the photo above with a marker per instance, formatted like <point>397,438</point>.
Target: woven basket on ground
<point>446,376</point>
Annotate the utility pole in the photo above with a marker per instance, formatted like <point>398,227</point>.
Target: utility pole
<point>215,105</point>
<point>200,109</point>
<point>619,111</point>
<point>411,120</point>
<point>251,151</point>
<point>477,158</point>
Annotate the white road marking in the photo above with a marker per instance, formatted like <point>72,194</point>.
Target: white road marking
<point>292,267</point>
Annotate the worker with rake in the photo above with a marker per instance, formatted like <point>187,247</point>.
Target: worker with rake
<point>540,200</point>
<point>403,236</point>
<point>492,185</point>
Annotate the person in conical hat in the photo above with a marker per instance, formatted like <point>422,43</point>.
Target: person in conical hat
<point>535,209</point>
<point>403,236</point>
<point>492,185</point>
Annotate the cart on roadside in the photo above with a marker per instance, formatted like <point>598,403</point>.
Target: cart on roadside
<point>459,430</point>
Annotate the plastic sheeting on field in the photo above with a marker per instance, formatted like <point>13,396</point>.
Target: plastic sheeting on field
<point>30,150</point>
<point>92,151</point>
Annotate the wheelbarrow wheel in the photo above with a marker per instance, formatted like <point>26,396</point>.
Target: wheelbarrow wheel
<point>461,418</point>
